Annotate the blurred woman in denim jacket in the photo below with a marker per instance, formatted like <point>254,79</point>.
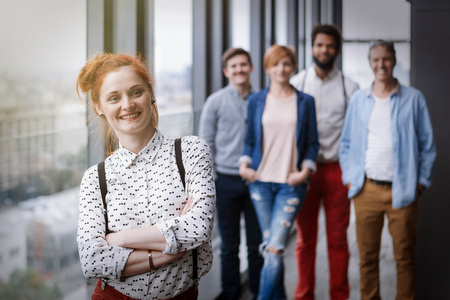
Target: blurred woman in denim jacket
<point>280,150</point>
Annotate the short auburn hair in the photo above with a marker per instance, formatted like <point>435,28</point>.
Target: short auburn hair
<point>90,80</point>
<point>277,52</point>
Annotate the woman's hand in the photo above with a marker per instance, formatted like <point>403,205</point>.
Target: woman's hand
<point>247,173</point>
<point>296,178</point>
<point>137,262</point>
<point>160,258</point>
<point>128,237</point>
<point>114,239</point>
<point>187,205</point>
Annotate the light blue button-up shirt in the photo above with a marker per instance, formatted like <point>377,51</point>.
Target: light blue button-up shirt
<point>414,151</point>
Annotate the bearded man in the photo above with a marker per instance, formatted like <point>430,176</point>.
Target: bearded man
<point>331,91</point>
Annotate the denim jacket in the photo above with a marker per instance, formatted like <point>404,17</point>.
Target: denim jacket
<point>306,132</point>
<point>412,137</point>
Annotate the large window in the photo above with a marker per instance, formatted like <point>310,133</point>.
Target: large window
<point>366,20</point>
<point>240,24</point>
<point>43,139</point>
<point>173,66</point>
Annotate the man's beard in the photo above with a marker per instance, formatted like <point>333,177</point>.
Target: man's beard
<point>327,65</point>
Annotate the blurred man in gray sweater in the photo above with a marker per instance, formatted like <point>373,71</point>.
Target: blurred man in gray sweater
<point>223,126</point>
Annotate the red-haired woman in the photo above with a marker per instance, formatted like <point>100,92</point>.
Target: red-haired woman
<point>154,227</point>
<point>280,150</point>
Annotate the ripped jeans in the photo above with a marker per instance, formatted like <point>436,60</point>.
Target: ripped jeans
<point>276,205</point>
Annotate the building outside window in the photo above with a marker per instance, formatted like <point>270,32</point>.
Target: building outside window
<point>43,139</point>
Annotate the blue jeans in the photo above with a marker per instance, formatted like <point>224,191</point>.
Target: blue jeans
<point>233,200</point>
<point>277,205</point>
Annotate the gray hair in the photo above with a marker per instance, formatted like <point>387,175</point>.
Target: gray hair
<point>389,45</point>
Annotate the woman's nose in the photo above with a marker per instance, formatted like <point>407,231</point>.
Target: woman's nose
<point>128,103</point>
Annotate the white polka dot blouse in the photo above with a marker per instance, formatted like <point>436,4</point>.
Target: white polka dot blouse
<point>145,189</point>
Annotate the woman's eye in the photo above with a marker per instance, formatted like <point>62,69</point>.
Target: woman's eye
<point>113,99</point>
<point>136,93</point>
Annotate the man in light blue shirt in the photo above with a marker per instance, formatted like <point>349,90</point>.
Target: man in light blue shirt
<point>387,156</point>
<point>223,126</point>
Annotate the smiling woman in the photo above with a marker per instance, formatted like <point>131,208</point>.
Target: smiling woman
<point>157,225</point>
<point>117,82</point>
<point>125,103</point>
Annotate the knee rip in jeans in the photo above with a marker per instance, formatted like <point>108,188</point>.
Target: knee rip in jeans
<point>293,201</point>
<point>266,233</point>
<point>256,196</point>
<point>285,224</point>
<point>275,251</point>
<point>290,208</point>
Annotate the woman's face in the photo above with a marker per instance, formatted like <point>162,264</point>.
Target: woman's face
<point>281,72</point>
<point>125,101</point>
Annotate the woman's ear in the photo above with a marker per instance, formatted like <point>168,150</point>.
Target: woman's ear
<point>98,110</point>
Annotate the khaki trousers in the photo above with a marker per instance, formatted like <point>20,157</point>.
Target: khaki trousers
<point>371,204</point>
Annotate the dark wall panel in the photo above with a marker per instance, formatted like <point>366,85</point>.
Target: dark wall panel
<point>430,65</point>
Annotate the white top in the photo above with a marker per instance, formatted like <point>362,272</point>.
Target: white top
<point>146,189</point>
<point>279,121</point>
<point>330,106</point>
<point>379,153</point>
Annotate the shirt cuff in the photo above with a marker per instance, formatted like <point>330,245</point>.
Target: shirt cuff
<point>309,164</point>
<point>245,159</point>
<point>118,260</point>
<point>167,230</point>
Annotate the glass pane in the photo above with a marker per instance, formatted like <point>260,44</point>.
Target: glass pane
<point>356,63</point>
<point>43,141</point>
<point>281,22</point>
<point>173,66</point>
<point>368,19</point>
<point>240,24</point>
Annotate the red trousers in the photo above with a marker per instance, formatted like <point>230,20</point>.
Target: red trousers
<point>110,293</point>
<point>327,187</point>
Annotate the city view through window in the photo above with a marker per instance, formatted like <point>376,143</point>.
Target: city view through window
<point>44,133</point>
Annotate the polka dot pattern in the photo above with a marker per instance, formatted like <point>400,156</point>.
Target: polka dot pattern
<point>145,189</point>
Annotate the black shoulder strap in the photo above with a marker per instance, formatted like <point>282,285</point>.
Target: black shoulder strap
<point>179,160</point>
<point>103,190</point>
<point>181,170</point>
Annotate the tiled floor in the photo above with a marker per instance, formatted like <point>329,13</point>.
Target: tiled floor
<point>387,266</point>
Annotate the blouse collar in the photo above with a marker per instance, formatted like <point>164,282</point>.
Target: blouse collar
<point>127,157</point>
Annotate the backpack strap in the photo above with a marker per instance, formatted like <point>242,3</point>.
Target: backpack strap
<point>103,190</point>
<point>181,170</point>
<point>179,160</point>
